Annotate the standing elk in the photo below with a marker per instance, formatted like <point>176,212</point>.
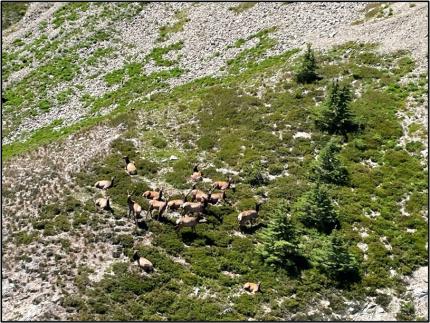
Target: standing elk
<point>197,175</point>
<point>249,215</point>
<point>222,185</point>
<point>133,208</point>
<point>187,221</point>
<point>153,195</point>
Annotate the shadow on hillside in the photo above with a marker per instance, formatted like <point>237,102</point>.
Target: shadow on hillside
<point>251,229</point>
<point>141,224</point>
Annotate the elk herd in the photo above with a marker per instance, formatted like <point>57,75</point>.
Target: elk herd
<point>190,211</point>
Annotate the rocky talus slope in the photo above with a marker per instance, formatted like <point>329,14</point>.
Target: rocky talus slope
<point>176,43</point>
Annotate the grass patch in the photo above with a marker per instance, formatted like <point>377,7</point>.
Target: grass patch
<point>242,7</point>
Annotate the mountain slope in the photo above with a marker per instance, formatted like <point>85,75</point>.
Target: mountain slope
<point>186,80</point>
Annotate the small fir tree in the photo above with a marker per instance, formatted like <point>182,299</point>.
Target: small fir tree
<point>335,117</point>
<point>341,265</point>
<point>314,209</point>
<point>328,168</point>
<point>307,71</point>
<point>279,243</point>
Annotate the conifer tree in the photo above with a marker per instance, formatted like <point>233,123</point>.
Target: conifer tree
<point>279,243</point>
<point>307,71</point>
<point>328,168</point>
<point>335,117</point>
<point>314,209</point>
<point>341,265</point>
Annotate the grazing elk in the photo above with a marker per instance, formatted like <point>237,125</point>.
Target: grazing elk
<point>130,168</point>
<point>143,263</point>
<point>214,198</point>
<point>176,204</point>
<point>194,207</point>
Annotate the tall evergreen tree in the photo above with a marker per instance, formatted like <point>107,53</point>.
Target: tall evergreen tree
<point>307,71</point>
<point>279,243</point>
<point>335,117</point>
<point>314,209</point>
<point>328,168</point>
<point>341,265</point>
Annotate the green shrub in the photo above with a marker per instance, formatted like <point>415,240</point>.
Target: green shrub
<point>62,223</point>
<point>80,219</point>
<point>124,240</point>
<point>206,142</point>
<point>44,105</point>
<point>253,174</point>
<point>383,300</point>
<point>407,312</point>
<point>158,142</point>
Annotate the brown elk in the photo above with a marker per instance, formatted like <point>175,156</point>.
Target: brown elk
<point>133,208</point>
<point>130,167</point>
<point>249,215</point>
<point>252,287</point>
<point>222,185</point>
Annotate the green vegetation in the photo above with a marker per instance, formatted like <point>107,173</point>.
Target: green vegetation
<point>407,312</point>
<point>341,264</point>
<point>279,243</point>
<point>335,117</point>
<point>12,12</point>
<point>328,168</point>
<point>234,128</point>
<point>157,54</point>
<point>181,20</point>
<point>375,10</point>
<point>315,209</point>
<point>243,6</point>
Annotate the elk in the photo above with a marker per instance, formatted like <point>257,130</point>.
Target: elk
<point>214,198</point>
<point>252,287</point>
<point>187,221</point>
<point>153,195</point>
<point>198,195</point>
<point>143,263</point>
<point>133,208</point>
<point>103,203</point>
<point>160,206</point>
<point>249,215</point>
<point>104,185</point>
<point>197,175</point>
<point>197,207</point>
<point>176,204</point>
<point>130,168</point>
<point>222,185</point>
